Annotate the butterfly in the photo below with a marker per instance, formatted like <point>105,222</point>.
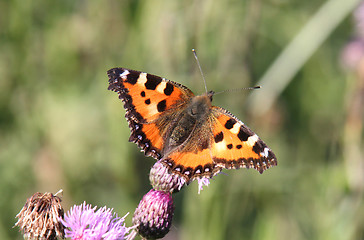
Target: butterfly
<point>189,135</point>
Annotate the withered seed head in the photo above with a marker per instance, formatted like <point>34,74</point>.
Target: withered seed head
<point>39,218</point>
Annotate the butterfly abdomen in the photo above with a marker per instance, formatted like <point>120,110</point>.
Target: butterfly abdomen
<point>181,131</point>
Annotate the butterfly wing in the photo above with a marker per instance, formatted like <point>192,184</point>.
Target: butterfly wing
<point>236,146</point>
<point>148,100</point>
<point>222,141</point>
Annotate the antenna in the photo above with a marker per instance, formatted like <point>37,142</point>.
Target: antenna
<point>239,89</point>
<point>199,66</point>
<point>228,90</point>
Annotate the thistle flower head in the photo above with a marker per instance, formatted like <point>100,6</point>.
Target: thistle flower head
<point>153,216</point>
<point>39,218</point>
<point>162,179</point>
<point>84,222</point>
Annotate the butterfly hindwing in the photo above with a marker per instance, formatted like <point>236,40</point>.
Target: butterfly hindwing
<point>193,158</point>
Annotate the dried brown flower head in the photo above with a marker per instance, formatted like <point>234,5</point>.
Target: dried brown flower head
<point>39,218</point>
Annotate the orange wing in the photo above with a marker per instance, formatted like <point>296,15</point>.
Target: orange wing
<point>192,164</point>
<point>223,141</point>
<point>147,99</point>
<point>236,146</point>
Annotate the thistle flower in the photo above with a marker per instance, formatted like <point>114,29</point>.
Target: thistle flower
<point>39,218</point>
<point>162,179</point>
<point>153,216</point>
<point>84,222</point>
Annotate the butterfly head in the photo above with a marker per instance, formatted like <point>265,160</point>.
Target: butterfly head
<point>200,105</point>
<point>210,94</point>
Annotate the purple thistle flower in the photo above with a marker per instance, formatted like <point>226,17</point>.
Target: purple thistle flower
<point>162,179</point>
<point>83,222</point>
<point>153,216</point>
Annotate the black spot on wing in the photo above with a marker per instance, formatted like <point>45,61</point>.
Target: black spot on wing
<point>152,82</point>
<point>219,137</point>
<point>168,89</point>
<point>259,146</point>
<point>147,101</point>
<point>132,77</point>
<point>230,123</point>
<point>161,106</point>
<point>244,134</point>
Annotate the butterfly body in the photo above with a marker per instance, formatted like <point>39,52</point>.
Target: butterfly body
<point>193,117</point>
<point>185,132</point>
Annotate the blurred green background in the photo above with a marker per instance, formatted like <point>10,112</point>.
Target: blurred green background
<point>61,129</point>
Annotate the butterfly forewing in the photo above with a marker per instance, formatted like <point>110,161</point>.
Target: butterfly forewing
<point>146,99</point>
<point>236,146</point>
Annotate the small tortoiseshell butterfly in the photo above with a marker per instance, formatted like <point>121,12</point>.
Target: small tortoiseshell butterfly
<point>185,132</point>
